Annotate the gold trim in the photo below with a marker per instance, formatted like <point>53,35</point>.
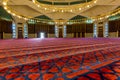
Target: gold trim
<point>106,15</point>
<point>13,12</point>
<point>71,8</point>
<point>61,9</point>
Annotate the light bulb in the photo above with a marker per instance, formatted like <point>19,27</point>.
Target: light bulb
<point>4,3</point>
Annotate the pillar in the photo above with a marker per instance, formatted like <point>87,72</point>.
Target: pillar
<point>25,30</point>
<point>14,30</point>
<point>20,28</point>
<point>101,27</point>
<point>106,27</point>
<point>56,31</point>
<point>95,30</point>
<point>64,31</point>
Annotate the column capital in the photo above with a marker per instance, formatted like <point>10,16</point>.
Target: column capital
<point>17,20</point>
<point>100,20</point>
<point>21,27</point>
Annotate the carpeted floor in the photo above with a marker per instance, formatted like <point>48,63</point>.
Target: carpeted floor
<point>60,59</point>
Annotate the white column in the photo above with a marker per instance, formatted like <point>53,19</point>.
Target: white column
<point>64,31</point>
<point>14,30</point>
<point>25,30</point>
<point>106,33</point>
<point>56,31</point>
<point>95,30</point>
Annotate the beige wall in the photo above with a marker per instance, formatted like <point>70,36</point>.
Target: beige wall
<point>51,35</point>
<point>7,35</point>
<point>70,35</point>
<point>32,35</point>
<point>88,35</point>
<point>113,34</point>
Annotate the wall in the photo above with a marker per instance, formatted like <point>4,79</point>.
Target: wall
<point>40,27</point>
<point>114,28</point>
<point>50,35</point>
<point>7,36</point>
<point>5,29</point>
<point>113,34</point>
<point>72,30</point>
<point>32,35</point>
<point>79,30</point>
<point>70,35</point>
<point>87,35</point>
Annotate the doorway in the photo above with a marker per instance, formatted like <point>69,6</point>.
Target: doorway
<point>20,33</point>
<point>42,35</point>
<point>100,31</point>
<point>60,33</point>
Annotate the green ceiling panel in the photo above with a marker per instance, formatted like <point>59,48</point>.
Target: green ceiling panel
<point>63,3</point>
<point>43,17</point>
<point>114,17</point>
<point>78,2</point>
<point>45,2</point>
<point>78,17</point>
<point>4,14</point>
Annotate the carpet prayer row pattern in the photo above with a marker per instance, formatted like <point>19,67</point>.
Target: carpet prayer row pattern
<point>60,59</point>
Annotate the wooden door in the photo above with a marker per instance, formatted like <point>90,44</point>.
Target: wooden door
<point>78,34</point>
<point>75,35</point>
<point>119,33</point>
<point>100,31</point>
<point>1,35</point>
<point>20,33</point>
<point>60,33</point>
<point>83,34</point>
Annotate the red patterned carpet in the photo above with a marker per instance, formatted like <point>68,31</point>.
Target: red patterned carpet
<point>60,59</point>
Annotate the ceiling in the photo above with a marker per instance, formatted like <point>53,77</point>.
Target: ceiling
<point>28,8</point>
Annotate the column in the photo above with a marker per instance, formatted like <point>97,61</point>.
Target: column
<point>56,31</point>
<point>95,30</point>
<point>14,30</point>
<point>64,31</point>
<point>25,30</point>
<point>21,29</point>
<point>106,33</point>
